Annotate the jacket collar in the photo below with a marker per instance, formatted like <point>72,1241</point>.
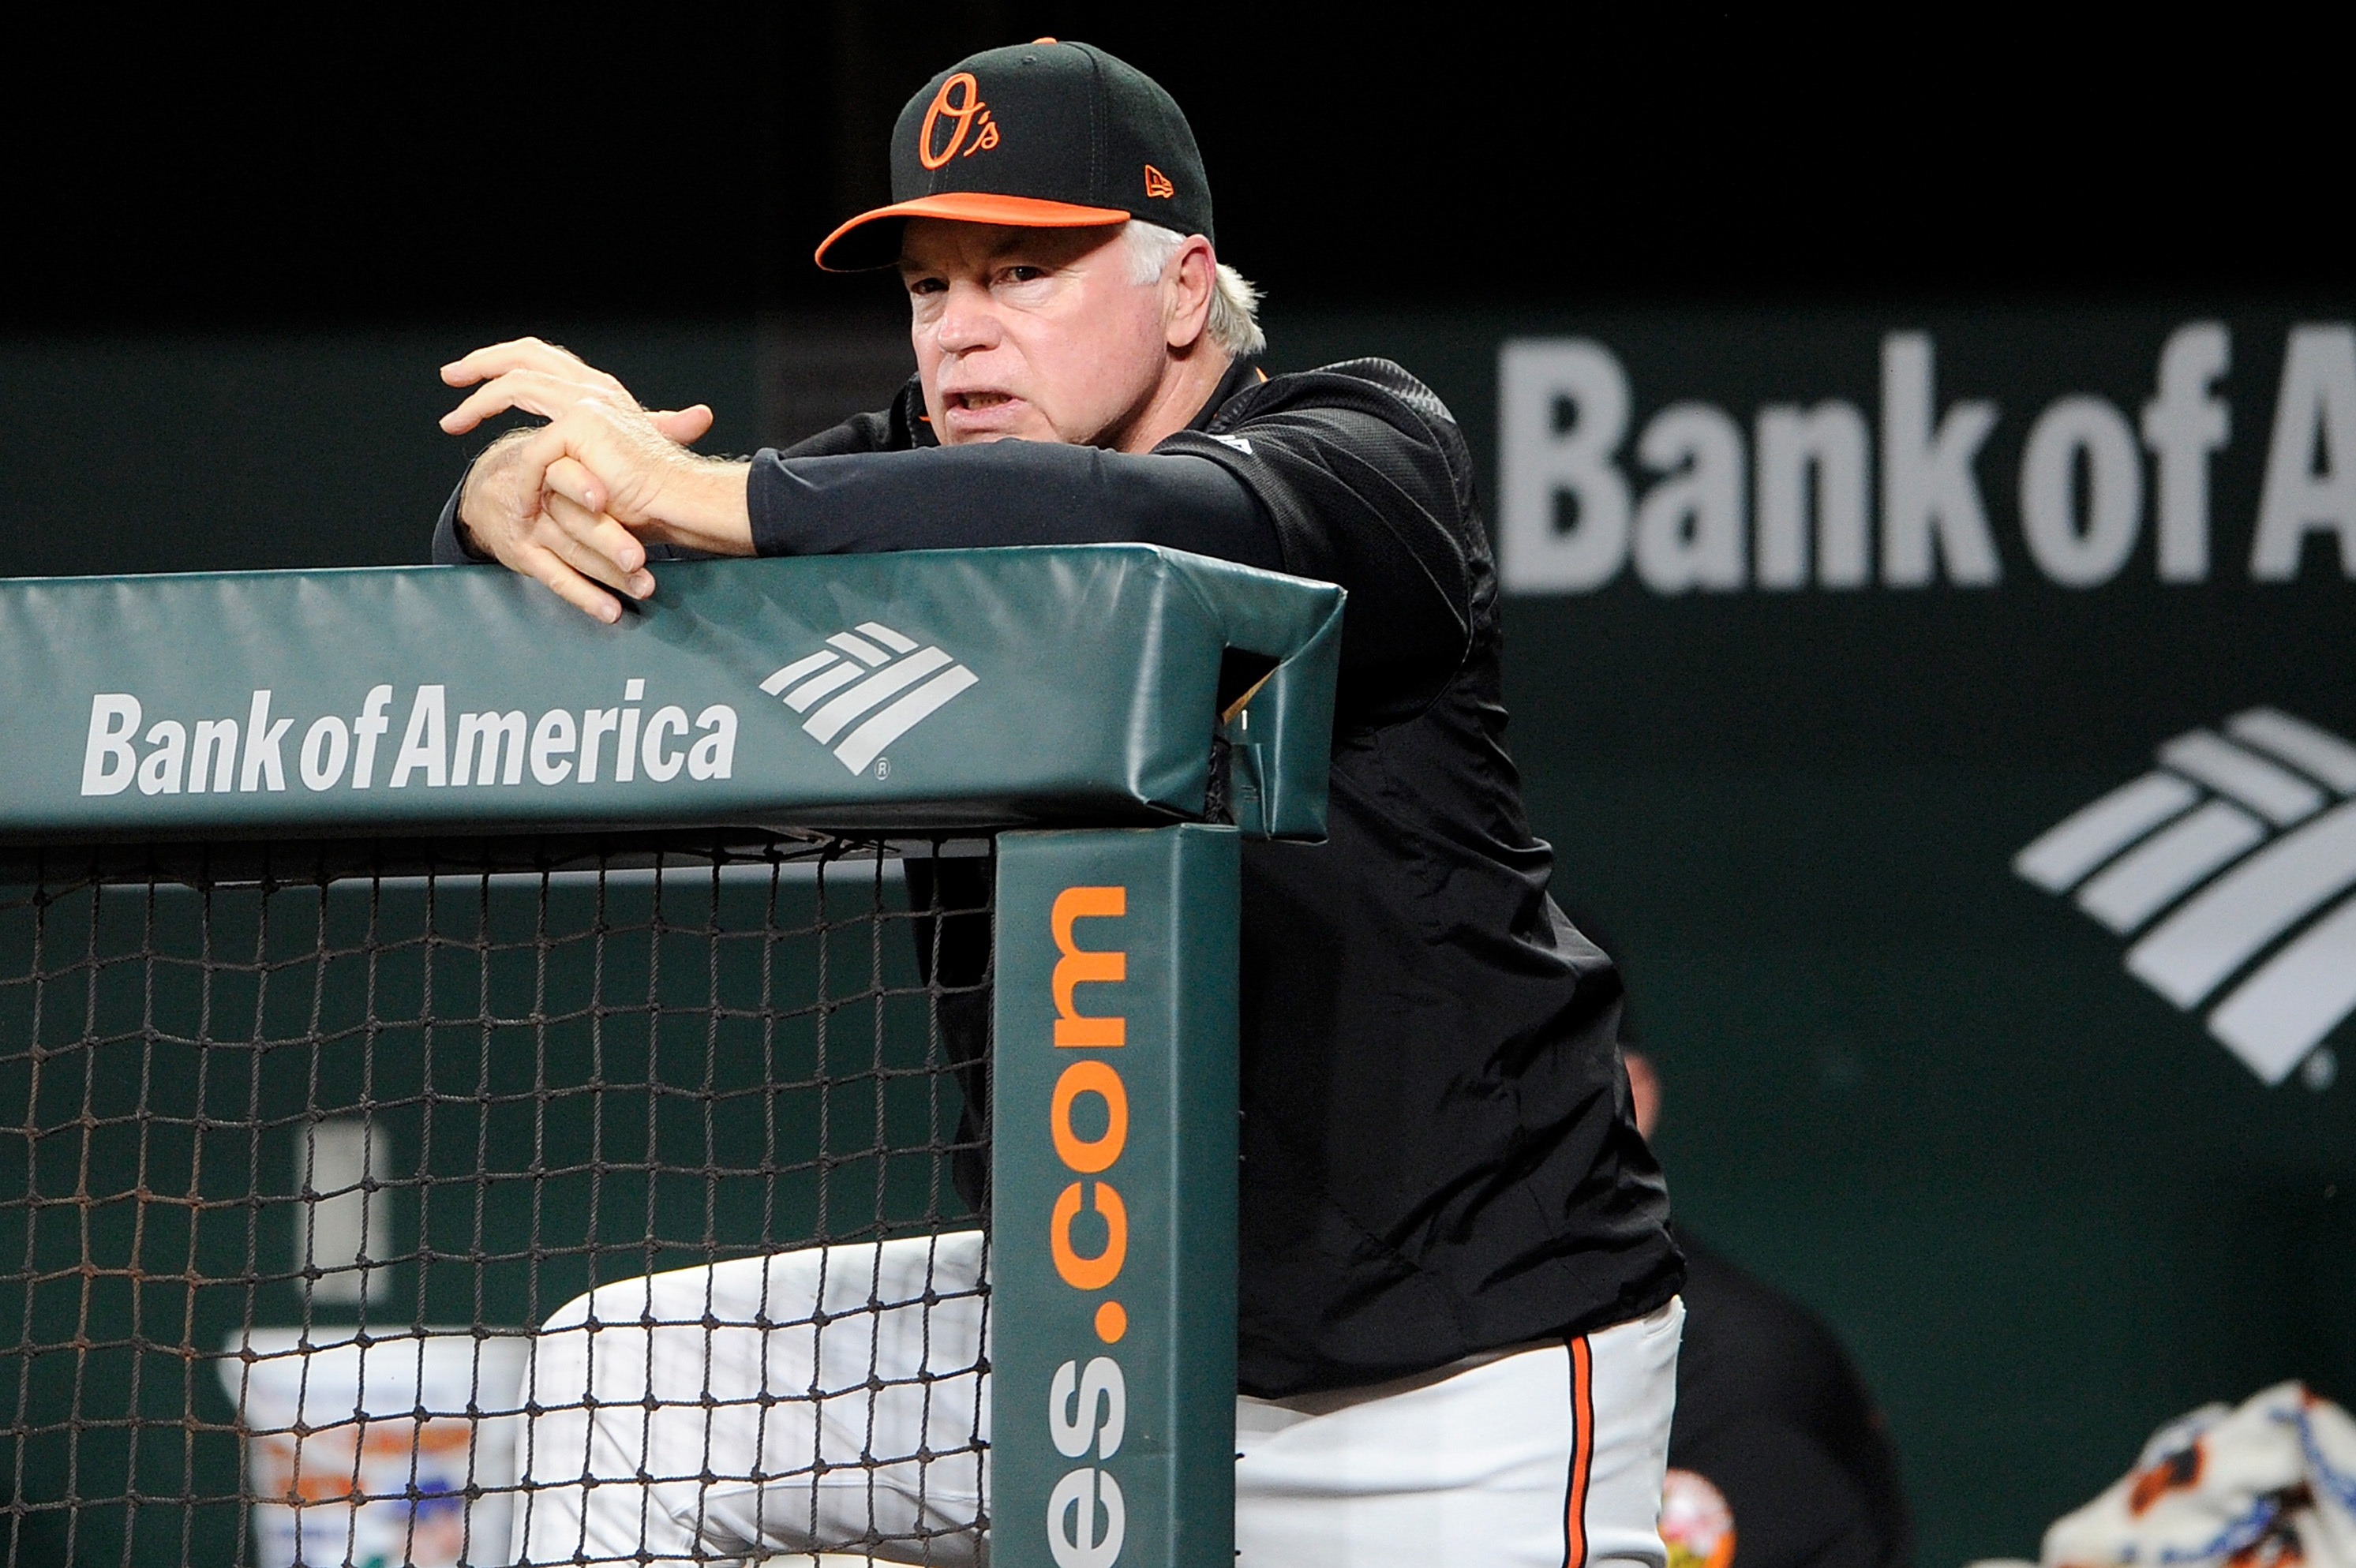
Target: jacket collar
<point>1241,374</point>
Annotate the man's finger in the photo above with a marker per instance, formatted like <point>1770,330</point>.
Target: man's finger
<point>570,585</point>
<point>526,353</point>
<point>622,460</point>
<point>590,564</point>
<point>597,546</point>
<point>533,391</point>
<point>499,358</point>
<point>569,477</point>
<point>682,425</point>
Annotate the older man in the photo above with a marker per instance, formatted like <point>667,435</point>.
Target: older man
<point>1458,1313</point>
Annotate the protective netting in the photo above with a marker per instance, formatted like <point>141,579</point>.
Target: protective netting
<point>302,1147</point>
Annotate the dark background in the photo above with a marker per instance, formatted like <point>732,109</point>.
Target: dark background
<point>209,170</point>
<point>2045,1210</point>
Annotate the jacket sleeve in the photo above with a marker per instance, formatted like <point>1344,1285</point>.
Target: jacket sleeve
<point>1003,493</point>
<point>449,548</point>
<point>860,432</point>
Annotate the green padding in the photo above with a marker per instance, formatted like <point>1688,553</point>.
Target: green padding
<point>987,688</point>
<point>1114,1071</point>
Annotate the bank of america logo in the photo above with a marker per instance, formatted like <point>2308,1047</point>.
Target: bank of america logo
<point>868,687</point>
<point>2215,864</point>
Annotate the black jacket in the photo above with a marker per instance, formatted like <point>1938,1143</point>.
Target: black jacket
<point>1439,1153</point>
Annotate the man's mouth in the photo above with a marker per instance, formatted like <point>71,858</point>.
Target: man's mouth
<point>977,402</point>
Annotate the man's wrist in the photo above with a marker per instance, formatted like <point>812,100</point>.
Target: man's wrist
<point>702,505</point>
<point>483,472</point>
<point>467,543</point>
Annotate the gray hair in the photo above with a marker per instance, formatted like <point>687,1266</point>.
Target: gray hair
<point>1234,321</point>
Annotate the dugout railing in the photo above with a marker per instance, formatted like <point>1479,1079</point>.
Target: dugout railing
<point>387,957</point>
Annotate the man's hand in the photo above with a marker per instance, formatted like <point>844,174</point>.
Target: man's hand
<point>542,379</point>
<point>602,467</point>
<point>503,512</point>
<point>508,509</point>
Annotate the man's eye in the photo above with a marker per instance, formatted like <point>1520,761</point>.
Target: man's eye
<point>926,285</point>
<point>1025,274</point>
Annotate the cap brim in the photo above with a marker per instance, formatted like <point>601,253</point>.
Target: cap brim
<point>860,244</point>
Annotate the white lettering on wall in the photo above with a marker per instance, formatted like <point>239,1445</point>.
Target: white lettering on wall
<point>492,733</point>
<point>1689,528</point>
<point>2071,435</point>
<point>1086,1407</point>
<point>2182,426</point>
<point>662,762</point>
<point>551,747</point>
<point>424,745</point>
<point>1571,520</point>
<point>216,740</point>
<point>1930,494</point>
<point>1073,1539</point>
<point>372,723</point>
<point>493,747</point>
<point>326,745</point>
<point>596,724</point>
<point>1564,515</point>
<point>107,759</point>
<point>1818,454</point>
<point>2311,483</point>
<point>263,766</point>
<point>159,772</point>
<point>625,741</point>
<point>714,757</point>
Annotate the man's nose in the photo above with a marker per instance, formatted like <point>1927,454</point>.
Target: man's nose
<point>968,320</point>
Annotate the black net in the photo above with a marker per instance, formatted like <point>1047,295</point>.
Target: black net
<point>314,1155</point>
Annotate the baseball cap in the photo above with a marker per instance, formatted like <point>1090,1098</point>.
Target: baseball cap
<point>1041,135</point>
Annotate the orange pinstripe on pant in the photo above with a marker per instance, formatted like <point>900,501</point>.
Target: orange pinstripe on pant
<point>1582,1453</point>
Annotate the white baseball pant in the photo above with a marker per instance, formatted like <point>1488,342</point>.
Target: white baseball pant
<point>831,1400</point>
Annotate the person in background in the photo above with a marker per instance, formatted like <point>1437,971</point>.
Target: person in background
<point>1778,1456</point>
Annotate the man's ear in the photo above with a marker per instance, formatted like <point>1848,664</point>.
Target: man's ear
<point>1186,285</point>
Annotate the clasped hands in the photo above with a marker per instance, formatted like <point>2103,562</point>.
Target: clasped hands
<point>573,502</point>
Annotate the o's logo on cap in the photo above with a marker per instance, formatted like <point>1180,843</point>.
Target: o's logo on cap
<point>959,98</point>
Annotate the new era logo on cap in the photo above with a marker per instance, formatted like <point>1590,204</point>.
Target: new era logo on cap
<point>870,686</point>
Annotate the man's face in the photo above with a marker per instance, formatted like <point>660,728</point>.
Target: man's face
<point>1035,332</point>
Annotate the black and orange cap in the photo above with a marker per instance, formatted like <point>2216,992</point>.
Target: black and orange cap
<point>1040,135</point>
